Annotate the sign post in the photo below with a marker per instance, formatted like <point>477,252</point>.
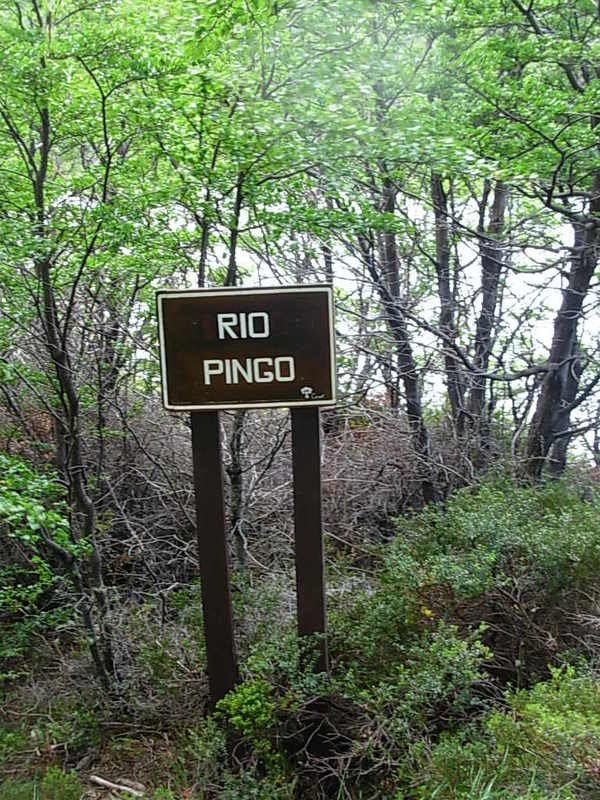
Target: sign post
<point>237,348</point>
<point>212,551</point>
<point>308,528</point>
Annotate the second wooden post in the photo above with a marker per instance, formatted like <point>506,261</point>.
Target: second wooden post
<point>308,525</point>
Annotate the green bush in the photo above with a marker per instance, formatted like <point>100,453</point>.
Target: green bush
<point>163,794</point>
<point>32,513</point>
<point>12,789</point>
<point>12,742</point>
<point>206,747</point>
<point>250,708</point>
<point>544,537</point>
<point>431,688</point>
<point>544,745</point>
<point>278,677</point>
<point>55,785</point>
<point>66,724</point>
<point>369,631</point>
<point>525,560</point>
<point>248,785</point>
<point>287,663</point>
<point>204,769</point>
<point>415,650</point>
<point>59,785</point>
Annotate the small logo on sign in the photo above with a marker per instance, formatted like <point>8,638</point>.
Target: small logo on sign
<point>309,393</point>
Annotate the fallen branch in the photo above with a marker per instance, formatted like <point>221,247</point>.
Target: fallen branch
<point>118,787</point>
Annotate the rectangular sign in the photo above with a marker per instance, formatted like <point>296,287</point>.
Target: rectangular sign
<point>246,348</point>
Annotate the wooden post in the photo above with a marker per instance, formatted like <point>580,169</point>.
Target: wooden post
<point>310,556</point>
<point>213,555</point>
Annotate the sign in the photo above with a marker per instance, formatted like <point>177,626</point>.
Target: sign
<point>246,348</point>
<point>250,348</point>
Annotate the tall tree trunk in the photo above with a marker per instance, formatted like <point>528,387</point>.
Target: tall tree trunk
<point>562,379</point>
<point>454,382</point>
<point>493,262</point>
<point>390,263</point>
<point>387,282</point>
<point>236,478</point>
<point>236,441</point>
<point>326,248</point>
<point>234,229</point>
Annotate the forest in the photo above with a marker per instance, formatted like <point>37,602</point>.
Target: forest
<point>438,163</point>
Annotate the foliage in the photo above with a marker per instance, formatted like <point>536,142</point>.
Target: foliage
<point>207,748</point>
<point>68,726</point>
<point>279,676</point>
<point>59,785</point>
<point>249,708</point>
<point>33,518</point>
<point>287,663</point>
<point>206,769</point>
<point>432,687</point>
<point>451,613</point>
<point>544,744</point>
<point>520,559</point>
<point>415,706</point>
<point>11,743</point>
<point>55,785</point>
<point>500,534</point>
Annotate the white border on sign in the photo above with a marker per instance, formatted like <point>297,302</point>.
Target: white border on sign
<point>211,292</point>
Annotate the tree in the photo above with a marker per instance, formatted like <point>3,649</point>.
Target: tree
<point>72,210</point>
<point>538,125</point>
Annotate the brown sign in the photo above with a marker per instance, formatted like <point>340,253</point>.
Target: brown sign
<point>247,348</point>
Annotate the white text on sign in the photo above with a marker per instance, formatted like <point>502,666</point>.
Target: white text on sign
<point>253,370</point>
<point>243,326</point>
<point>253,325</point>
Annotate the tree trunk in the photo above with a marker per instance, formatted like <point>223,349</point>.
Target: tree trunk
<point>454,382</point>
<point>236,478</point>
<point>387,282</point>
<point>69,451</point>
<point>493,258</point>
<point>562,379</point>
<point>234,229</point>
<point>85,570</point>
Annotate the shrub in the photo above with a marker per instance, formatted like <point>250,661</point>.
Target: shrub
<point>55,785</point>
<point>431,689</point>
<point>544,745</point>
<point>523,559</point>
<point>207,771</point>
<point>543,537</point>
<point>32,515</point>
<point>17,790</point>
<point>11,743</point>
<point>74,728</point>
<point>250,709</point>
<point>369,630</point>
<point>59,785</point>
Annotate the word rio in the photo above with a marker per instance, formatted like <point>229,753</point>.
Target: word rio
<point>243,326</point>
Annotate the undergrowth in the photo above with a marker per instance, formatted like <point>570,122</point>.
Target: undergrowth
<point>465,668</point>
